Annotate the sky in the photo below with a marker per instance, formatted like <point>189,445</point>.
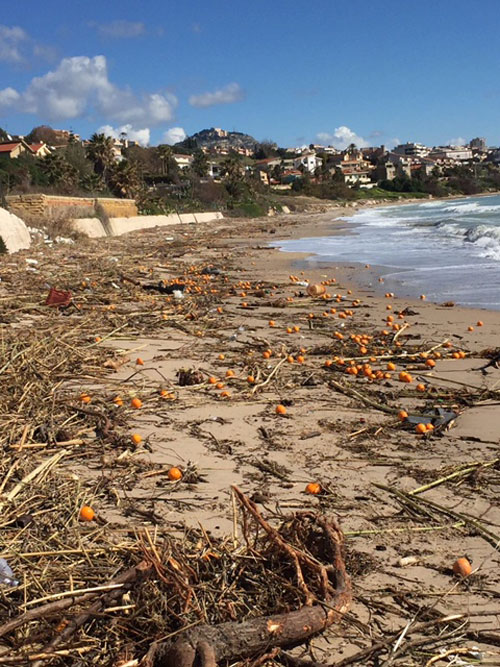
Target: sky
<point>328,71</point>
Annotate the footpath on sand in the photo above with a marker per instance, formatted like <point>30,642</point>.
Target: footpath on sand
<point>199,454</point>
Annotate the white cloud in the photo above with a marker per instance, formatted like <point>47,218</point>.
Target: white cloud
<point>120,29</point>
<point>231,93</point>
<point>342,137</point>
<point>142,136</point>
<point>174,135</point>
<point>11,42</point>
<point>457,141</point>
<point>80,86</point>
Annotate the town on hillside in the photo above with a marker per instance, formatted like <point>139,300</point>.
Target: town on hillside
<point>219,168</point>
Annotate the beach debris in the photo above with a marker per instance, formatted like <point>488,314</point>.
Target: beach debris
<point>7,577</point>
<point>86,513</point>
<point>313,488</point>
<point>59,298</point>
<point>187,377</point>
<point>316,289</point>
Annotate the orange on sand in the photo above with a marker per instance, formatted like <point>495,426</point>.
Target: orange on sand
<point>421,428</point>
<point>136,438</point>
<point>85,398</point>
<point>420,387</point>
<point>219,385</point>
<point>136,403</point>
<point>225,394</point>
<point>212,380</point>
<point>229,373</point>
<point>139,361</point>
<point>290,359</point>
<point>272,323</point>
<point>462,567</point>
<point>280,410</point>
<point>174,474</point>
<point>391,366</point>
<point>118,400</point>
<point>430,363</point>
<point>250,379</point>
<point>313,488</point>
<point>405,377</point>
<point>221,357</point>
<point>87,513</point>
<point>479,323</point>
<point>300,359</point>
<point>471,328</point>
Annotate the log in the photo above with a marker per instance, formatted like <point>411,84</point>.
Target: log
<point>232,641</point>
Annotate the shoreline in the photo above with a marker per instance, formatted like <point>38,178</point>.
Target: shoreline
<point>351,270</point>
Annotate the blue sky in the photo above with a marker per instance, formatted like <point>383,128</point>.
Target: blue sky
<point>332,71</point>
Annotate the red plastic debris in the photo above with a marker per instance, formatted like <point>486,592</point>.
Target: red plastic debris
<point>57,297</point>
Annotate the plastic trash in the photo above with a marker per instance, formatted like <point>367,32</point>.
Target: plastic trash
<point>6,575</point>
<point>58,297</point>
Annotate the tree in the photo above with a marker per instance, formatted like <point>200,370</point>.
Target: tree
<point>42,133</point>
<point>100,152</point>
<point>124,179</point>
<point>3,135</point>
<point>200,164</point>
<point>59,172</point>
<point>164,153</point>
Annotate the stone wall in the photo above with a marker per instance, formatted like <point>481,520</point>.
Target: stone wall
<point>36,206</point>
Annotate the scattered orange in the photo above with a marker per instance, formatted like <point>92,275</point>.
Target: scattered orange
<point>462,567</point>
<point>421,428</point>
<point>313,488</point>
<point>118,400</point>
<point>87,513</point>
<point>280,410</point>
<point>136,438</point>
<point>430,363</point>
<point>174,474</point>
<point>85,398</point>
<point>420,387</point>
<point>229,373</point>
<point>479,323</point>
<point>391,366</point>
<point>139,361</point>
<point>136,403</point>
<point>250,379</point>
<point>212,380</point>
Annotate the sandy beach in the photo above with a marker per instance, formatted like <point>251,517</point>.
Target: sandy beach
<point>410,504</point>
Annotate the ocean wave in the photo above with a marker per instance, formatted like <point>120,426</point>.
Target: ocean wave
<point>486,238</point>
<point>472,207</point>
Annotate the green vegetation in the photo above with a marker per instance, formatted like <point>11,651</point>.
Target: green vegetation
<point>3,247</point>
<point>153,177</point>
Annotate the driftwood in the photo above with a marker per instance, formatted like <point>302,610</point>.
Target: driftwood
<point>206,645</point>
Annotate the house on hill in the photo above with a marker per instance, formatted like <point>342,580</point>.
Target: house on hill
<point>13,149</point>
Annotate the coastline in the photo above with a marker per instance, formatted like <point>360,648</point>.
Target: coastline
<point>378,278</point>
<point>335,431</point>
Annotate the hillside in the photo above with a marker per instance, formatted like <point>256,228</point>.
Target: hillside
<point>216,137</point>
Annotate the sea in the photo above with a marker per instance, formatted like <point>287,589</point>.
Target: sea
<point>448,250</point>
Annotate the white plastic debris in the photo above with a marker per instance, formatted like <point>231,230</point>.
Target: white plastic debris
<point>6,575</point>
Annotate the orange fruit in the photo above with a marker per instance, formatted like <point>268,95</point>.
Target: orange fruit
<point>219,385</point>
<point>280,410</point>
<point>136,403</point>
<point>225,394</point>
<point>85,398</point>
<point>86,513</point>
<point>462,567</point>
<point>221,357</point>
<point>300,359</point>
<point>479,323</point>
<point>229,373</point>
<point>174,474</point>
<point>212,380</point>
<point>272,323</point>
<point>430,363</point>
<point>290,359</point>
<point>139,361</point>
<point>313,488</point>
<point>118,400</point>
<point>421,428</point>
<point>420,387</point>
<point>391,366</point>
<point>136,438</point>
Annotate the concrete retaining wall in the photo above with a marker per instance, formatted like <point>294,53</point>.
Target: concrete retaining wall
<point>91,227</point>
<point>13,231</point>
<point>94,228</point>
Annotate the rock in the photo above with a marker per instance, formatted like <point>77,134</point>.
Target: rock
<point>13,231</point>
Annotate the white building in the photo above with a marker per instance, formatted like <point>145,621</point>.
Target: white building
<point>308,161</point>
<point>410,148</point>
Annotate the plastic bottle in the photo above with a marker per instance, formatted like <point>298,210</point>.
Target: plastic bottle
<point>6,575</point>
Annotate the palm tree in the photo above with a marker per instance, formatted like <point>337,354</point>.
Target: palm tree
<point>100,152</point>
<point>124,179</point>
<point>164,153</point>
